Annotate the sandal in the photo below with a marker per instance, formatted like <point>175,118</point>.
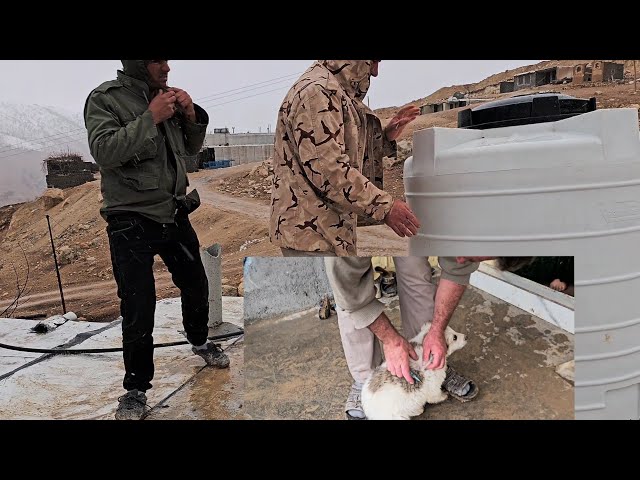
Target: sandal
<point>388,282</point>
<point>455,383</point>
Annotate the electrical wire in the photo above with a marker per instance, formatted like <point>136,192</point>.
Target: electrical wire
<point>76,351</point>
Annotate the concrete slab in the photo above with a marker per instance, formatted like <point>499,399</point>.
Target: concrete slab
<point>225,329</point>
<point>87,386</point>
<point>211,394</point>
<point>17,332</point>
<point>295,367</point>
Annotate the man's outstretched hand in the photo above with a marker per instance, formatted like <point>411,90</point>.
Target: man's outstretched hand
<point>396,125</point>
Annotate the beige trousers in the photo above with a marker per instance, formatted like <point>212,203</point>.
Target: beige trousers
<point>352,281</point>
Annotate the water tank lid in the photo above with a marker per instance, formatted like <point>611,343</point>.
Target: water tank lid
<point>524,110</point>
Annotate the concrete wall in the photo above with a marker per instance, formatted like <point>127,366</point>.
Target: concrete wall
<point>597,71</point>
<point>213,139</point>
<point>506,87</point>
<point>276,286</point>
<point>241,154</point>
<point>69,180</point>
<point>564,72</point>
<point>578,72</point>
<point>525,80</point>
<point>425,109</point>
<point>545,77</point>
<point>612,71</point>
<point>56,167</point>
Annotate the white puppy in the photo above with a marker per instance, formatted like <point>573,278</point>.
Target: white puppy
<point>387,397</point>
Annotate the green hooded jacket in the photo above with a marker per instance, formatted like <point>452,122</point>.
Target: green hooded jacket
<point>136,169</point>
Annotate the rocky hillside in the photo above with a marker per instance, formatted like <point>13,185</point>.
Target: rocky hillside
<point>487,88</point>
<point>28,135</point>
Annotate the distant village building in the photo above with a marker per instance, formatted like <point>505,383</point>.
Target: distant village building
<point>457,100</point>
<point>564,74</point>
<point>535,78</point>
<point>222,137</point>
<point>524,80</point>
<point>69,170</point>
<point>223,148</point>
<point>580,73</point>
<point>546,76</point>
<point>506,87</point>
<point>607,71</point>
<point>596,71</point>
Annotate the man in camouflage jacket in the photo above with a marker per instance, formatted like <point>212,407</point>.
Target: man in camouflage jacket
<point>328,162</point>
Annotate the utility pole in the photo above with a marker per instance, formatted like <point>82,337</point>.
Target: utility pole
<point>55,259</point>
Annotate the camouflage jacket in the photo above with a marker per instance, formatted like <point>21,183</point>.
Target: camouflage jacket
<point>328,160</point>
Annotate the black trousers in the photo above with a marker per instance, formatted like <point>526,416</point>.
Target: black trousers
<point>134,240</point>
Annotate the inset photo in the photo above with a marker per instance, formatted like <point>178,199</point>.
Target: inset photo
<point>400,338</point>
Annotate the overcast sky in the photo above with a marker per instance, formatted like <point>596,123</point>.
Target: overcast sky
<point>244,94</point>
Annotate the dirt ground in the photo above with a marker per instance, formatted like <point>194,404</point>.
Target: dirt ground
<point>195,401</point>
<point>511,355</point>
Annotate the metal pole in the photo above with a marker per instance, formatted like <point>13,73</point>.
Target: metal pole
<point>55,259</point>
<point>635,77</point>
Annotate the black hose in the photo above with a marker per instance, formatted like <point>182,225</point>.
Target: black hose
<point>73,351</point>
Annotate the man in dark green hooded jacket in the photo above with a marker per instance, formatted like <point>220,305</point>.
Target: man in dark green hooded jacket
<point>140,130</point>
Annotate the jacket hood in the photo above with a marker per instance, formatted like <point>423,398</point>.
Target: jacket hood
<point>136,69</point>
<point>353,75</point>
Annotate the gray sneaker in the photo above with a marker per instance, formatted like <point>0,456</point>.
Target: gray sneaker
<point>353,408</point>
<point>213,355</point>
<point>132,406</point>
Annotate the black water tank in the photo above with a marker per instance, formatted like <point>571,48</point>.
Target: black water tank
<point>524,110</point>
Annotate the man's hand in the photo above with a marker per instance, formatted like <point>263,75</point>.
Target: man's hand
<point>402,220</point>
<point>396,125</point>
<point>558,285</point>
<point>186,104</point>
<point>434,344</point>
<point>396,349</point>
<point>397,352</point>
<point>163,106</point>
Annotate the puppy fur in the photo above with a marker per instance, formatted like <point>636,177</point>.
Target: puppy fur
<point>387,397</point>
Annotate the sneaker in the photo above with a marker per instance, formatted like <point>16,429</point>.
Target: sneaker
<point>213,355</point>
<point>353,408</point>
<point>132,406</point>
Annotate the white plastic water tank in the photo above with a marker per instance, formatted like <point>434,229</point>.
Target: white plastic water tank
<point>563,187</point>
